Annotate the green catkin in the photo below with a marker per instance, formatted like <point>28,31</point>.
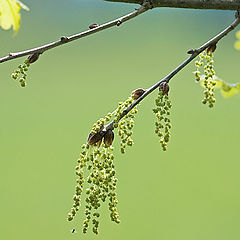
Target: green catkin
<point>206,61</point>
<point>21,73</point>
<point>101,185</point>
<point>163,123</point>
<point>126,124</point>
<point>96,169</point>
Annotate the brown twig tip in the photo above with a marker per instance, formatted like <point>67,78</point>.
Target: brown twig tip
<point>94,25</point>
<point>33,57</point>
<point>137,93</point>
<point>164,87</point>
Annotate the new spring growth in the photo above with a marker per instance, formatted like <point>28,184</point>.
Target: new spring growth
<point>206,61</point>
<point>125,125</point>
<point>21,72</point>
<point>95,169</point>
<point>162,112</point>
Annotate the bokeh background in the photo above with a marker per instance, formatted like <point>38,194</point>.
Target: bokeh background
<point>189,192</point>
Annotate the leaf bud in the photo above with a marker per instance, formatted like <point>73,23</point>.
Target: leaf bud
<point>95,138</point>
<point>211,48</point>
<point>108,138</point>
<point>94,25</point>
<point>137,93</point>
<point>33,58</point>
<point>164,87</point>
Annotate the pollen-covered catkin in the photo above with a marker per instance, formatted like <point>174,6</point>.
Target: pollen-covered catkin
<point>96,170</point>
<point>206,62</point>
<point>125,125</point>
<point>162,112</point>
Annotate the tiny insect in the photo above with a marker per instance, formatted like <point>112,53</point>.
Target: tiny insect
<point>73,230</point>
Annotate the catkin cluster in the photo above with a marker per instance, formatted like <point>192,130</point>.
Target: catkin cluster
<point>206,61</point>
<point>96,165</point>
<point>21,73</point>
<point>162,112</point>
<point>95,170</point>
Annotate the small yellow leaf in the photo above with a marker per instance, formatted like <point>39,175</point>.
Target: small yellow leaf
<point>229,90</point>
<point>9,14</point>
<point>238,34</point>
<point>237,45</point>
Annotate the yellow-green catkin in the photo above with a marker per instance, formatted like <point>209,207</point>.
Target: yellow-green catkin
<point>163,122</point>
<point>206,61</point>
<point>20,73</point>
<point>96,171</point>
<point>126,124</point>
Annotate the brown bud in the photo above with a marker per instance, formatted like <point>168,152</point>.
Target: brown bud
<point>33,58</point>
<point>95,138</point>
<point>64,39</point>
<point>137,93</point>
<point>211,48</point>
<point>191,51</point>
<point>164,87</point>
<point>94,25</point>
<point>108,138</point>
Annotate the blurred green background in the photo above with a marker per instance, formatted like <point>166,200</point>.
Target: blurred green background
<point>189,192</point>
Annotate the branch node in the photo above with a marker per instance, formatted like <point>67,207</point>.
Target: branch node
<point>119,22</point>
<point>191,51</point>
<point>148,4</point>
<point>64,39</point>
<point>237,15</point>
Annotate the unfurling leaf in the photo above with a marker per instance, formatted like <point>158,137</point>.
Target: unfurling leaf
<point>229,90</point>
<point>9,14</point>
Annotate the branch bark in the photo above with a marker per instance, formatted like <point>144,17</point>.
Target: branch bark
<point>196,4</point>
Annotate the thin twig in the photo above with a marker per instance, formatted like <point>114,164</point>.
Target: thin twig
<point>194,54</point>
<point>63,40</point>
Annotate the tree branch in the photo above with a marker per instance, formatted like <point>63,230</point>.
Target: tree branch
<point>63,40</point>
<point>194,53</point>
<point>197,4</point>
